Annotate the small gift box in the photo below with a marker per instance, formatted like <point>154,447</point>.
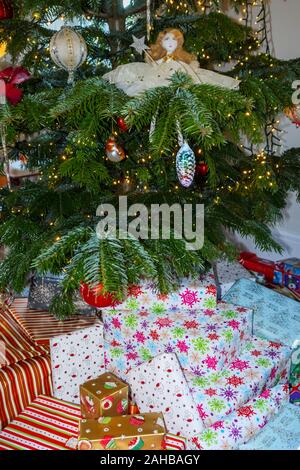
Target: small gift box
<point>43,289</point>
<point>132,432</point>
<point>104,396</point>
<point>287,273</point>
<point>173,442</point>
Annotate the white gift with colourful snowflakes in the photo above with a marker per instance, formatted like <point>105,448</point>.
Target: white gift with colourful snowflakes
<point>191,293</point>
<point>205,339</point>
<point>243,424</point>
<point>260,365</point>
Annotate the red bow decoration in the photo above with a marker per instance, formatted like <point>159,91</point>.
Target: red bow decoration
<point>13,76</point>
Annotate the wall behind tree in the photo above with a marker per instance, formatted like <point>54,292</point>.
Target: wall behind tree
<point>285,20</point>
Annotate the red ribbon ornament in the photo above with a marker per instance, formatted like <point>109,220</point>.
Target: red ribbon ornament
<point>11,77</point>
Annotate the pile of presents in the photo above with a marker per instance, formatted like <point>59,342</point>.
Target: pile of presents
<point>282,275</point>
<point>182,371</point>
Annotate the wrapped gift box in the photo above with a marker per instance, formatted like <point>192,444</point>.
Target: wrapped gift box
<point>200,339</point>
<point>40,325</point>
<point>24,368</point>
<point>191,293</point>
<point>258,265</point>
<point>46,424</point>
<point>227,273</point>
<point>294,378</point>
<point>75,358</point>
<point>103,396</point>
<point>18,345</point>
<point>159,385</point>
<point>261,364</point>
<point>281,433</point>
<point>20,383</point>
<point>44,288</point>
<point>132,432</point>
<point>243,424</point>
<point>287,273</point>
<point>276,317</point>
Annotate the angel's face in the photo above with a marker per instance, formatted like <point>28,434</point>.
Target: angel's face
<point>169,43</point>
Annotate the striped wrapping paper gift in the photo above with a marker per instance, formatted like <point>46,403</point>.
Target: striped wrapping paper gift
<point>47,424</point>
<point>25,370</point>
<point>15,344</point>
<point>40,325</point>
<point>20,383</point>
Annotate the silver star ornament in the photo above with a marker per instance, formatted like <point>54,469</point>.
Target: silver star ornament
<point>139,44</point>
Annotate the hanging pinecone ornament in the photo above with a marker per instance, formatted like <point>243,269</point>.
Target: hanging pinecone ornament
<point>185,165</point>
<point>114,152</point>
<point>68,50</point>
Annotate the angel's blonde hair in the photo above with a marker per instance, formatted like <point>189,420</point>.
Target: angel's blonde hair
<point>158,52</point>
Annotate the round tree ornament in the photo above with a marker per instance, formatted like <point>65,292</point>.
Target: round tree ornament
<point>185,165</point>
<point>122,124</point>
<point>6,10</point>
<point>68,50</point>
<point>202,169</point>
<point>114,152</point>
<point>95,297</point>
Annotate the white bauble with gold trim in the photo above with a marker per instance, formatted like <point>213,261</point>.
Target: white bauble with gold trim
<point>68,50</point>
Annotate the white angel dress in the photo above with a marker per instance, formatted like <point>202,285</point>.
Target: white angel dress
<point>137,77</point>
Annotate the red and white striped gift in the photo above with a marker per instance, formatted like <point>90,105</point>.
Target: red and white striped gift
<point>17,345</point>
<point>46,424</point>
<point>20,383</point>
<point>25,370</point>
<point>40,325</point>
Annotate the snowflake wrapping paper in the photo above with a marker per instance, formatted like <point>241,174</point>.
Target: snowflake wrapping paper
<point>191,293</point>
<point>260,365</point>
<point>276,317</point>
<point>281,433</point>
<point>160,386</point>
<point>201,339</point>
<point>294,378</point>
<point>75,358</point>
<point>243,424</point>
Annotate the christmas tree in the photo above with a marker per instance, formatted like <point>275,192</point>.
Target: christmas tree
<point>90,141</point>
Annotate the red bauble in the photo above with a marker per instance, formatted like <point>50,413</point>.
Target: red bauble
<point>94,296</point>
<point>202,169</point>
<point>6,10</point>
<point>122,124</point>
